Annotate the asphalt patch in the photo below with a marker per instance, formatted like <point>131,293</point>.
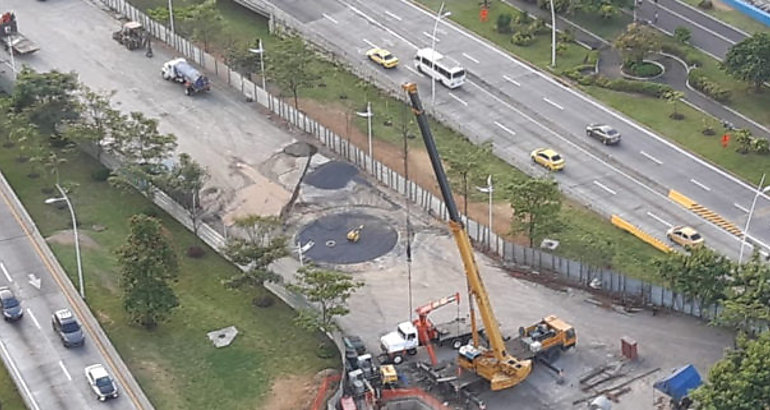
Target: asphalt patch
<point>331,175</point>
<point>330,244</point>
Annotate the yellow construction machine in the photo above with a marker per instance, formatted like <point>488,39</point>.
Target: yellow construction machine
<point>494,364</point>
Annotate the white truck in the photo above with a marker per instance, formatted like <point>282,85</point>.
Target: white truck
<point>180,71</point>
<point>405,339</point>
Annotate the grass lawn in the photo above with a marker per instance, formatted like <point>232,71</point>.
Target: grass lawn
<point>607,29</point>
<point>734,17</point>
<point>9,396</point>
<point>175,364</point>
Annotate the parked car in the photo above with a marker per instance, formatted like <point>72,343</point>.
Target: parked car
<point>685,236</point>
<point>67,327</point>
<point>101,382</point>
<point>382,57</point>
<point>12,309</point>
<point>604,133</point>
<point>548,158</point>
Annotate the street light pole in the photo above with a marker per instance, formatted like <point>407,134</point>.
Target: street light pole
<point>489,189</point>
<point>433,48</point>
<point>171,16</point>
<point>369,114</point>
<point>760,190</point>
<point>66,199</point>
<point>553,35</point>
<point>261,52</point>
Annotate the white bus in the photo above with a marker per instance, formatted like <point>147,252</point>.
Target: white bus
<point>430,62</point>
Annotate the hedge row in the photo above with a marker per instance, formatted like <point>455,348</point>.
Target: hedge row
<point>682,53</point>
<point>640,87</point>
<point>701,83</point>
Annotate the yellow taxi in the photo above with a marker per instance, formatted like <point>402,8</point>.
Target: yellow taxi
<point>382,57</point>
<point>685,236</point>
<point>548,158</point>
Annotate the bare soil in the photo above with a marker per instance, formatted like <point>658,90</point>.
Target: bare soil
<point>721,6</point>
<point>67,238</point>
<point>292,392</point>
<point>420,170</point>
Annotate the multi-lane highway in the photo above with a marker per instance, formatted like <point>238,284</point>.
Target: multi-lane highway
<point>50,376</point>
<point>521,109</point>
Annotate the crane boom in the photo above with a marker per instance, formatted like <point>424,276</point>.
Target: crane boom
<point>494,364</point>
<point>425,309</point>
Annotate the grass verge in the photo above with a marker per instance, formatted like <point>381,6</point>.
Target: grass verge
<point>731,16</point>
<point>9,396</point>
<point>176,364</point>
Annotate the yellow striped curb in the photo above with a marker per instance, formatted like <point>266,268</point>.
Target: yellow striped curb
<point>644,236</point>
<point>705,213</point>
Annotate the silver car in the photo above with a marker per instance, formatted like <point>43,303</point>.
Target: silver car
<point>12,310</point>
<point>101,382</point>
<point>604,133</point>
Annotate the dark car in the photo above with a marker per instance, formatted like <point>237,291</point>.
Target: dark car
<point>11,306</point>
<point>67,327</point>
<point>101,382</point>
<point>603,133</point>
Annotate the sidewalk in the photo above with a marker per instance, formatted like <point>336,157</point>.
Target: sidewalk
<point>675,76</point>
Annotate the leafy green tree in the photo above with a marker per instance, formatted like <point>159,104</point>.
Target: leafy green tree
<point>204,22</point>
<point>747,307</point>
<point>147,263</point>
<point>743,138</point>
<point>185,183</point>
<point>536,203</point>
<point>263,244</point>
<point>673,97</point>
<point>239,58</point>
<point>597,250</point>
<point>330,290</point>
<point>637,42</point>
<point>741,380</point>
<point>290,66</point>
<point>749,60</point>
<point>504,23</point>
<point>97,120</point>
<point>48,99</point>
<point>466,164</point>
<point>703,274</point>
<point>682,34</point>
<point>561,6</point>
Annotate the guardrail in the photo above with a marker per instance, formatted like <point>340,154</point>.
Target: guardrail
<point>705,213</point>
<point>644,236</point>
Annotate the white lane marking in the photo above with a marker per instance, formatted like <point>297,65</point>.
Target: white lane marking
<point>458,99</point>
<point>330,18</point>
<point>413,70</point>
<point>5,272</point>
<point>553,103</point>
<point>470,58</point>
<point>700,184</point>
<point>9,361</point>
<point>380,25</point>
<point>430,36</point>
<point>706,29</point>
<point>393,15</point>
<point>596,105</point>
<point>604,187</point>
<point>510,80</point>
<point>372,45</point>
<point>34,319</point>
<point>659,219</point>
<point>651,158</point>
<point>506,129</point>
<point>735,204</point>
<point>64,369</point>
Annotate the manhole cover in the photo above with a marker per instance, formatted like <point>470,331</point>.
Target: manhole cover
<point>376,238</point>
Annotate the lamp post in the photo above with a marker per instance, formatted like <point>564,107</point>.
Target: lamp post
<point>66,199</point>
<point>368,115</point>
<point>760,190</point>
<point>433,48</point>
<point>553,35</point>
<point>261,52</point>
<point>171,16</point>
<point>489,189</point>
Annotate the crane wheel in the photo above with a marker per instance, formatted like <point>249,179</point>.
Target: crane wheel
<point>398,359</point>
<point>457,344</point>
<point>411,352</point>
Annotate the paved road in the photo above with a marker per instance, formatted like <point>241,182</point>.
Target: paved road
<point>49,375</point>
<point>522,109</point>
<point>708,33</point>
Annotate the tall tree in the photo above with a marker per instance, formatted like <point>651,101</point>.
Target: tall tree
<point>466,163</point>
<point>140,142</point>
<point>673,97</point>
<point>97,120</point>
<point>185,183</point>
<point>290,66</point>
<point>263,243</point>
<point>741,380</point>
<point>749,60</point>
<point>703,274</point>
<point>147,263</point>
<point>205,22</point>
<point>747,307</point>
<point>536,203</point>
<point>48,99</point>
<point>637,42</point>
<point>330,290</point>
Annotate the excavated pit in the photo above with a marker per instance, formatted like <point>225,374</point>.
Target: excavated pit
<point>330,244</point>
<point>407,404</point>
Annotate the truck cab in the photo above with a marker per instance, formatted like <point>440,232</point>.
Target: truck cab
<point>403,339</point>
<point>549,333</point>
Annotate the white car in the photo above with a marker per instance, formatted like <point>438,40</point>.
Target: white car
<point>101,382</point>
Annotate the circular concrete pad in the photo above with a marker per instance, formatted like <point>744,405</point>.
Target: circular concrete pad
<point>331,175</point>
<point>329,234</point>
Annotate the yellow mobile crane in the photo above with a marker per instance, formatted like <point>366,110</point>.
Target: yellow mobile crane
<point>494,363</point>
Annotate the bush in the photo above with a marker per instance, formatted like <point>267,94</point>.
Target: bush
<point>195,252</point>
<point>537,26</point>
<point>592,57</point>
<point>642,69</point>
<point>641,87</point>
<point>760,145</point>
<point>326,350</point>
<point>263,301</point>
<point>682,34</point>
<point>101,174</point>
<point>522,39</point>
<point>566,36</point>
<point>680,52</point>
<point>504,23</point>
<point>701,83</point>
<point>706,4</point>
<point>151,212</point>
<point>522,17</point>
